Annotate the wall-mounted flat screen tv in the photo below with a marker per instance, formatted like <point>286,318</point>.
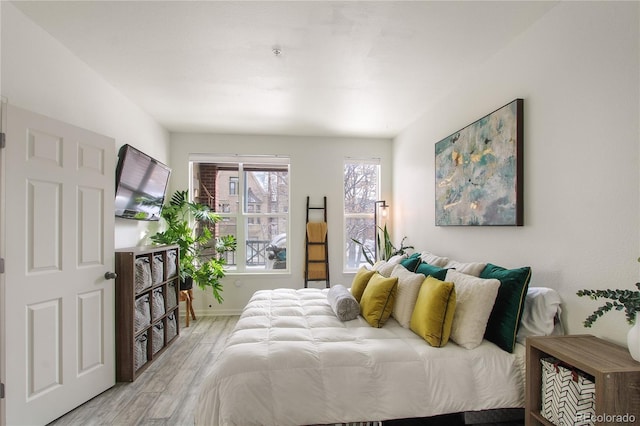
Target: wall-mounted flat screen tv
<point>141,185</point>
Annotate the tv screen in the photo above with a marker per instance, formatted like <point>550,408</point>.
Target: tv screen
<point>141,184</point>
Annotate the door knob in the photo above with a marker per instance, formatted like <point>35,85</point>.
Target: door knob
<point>110,275</point>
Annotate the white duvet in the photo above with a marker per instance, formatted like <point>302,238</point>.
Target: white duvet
<point>291,361</point>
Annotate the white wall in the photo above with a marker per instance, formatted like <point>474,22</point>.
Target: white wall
<point>316,171</point>
<point>578,72</point>
<point>41,75</point>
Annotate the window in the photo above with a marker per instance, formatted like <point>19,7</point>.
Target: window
<point>233,185</point>
<point>361,191</point>
<point>251,194</point>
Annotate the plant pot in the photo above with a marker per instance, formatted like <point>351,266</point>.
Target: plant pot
<point>186,284</point>
<point>633,340</point>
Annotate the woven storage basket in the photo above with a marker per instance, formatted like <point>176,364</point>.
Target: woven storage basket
<point>568,395</point>
<point>157,272</point>
<point>140,352</point>
<point>142,274</point>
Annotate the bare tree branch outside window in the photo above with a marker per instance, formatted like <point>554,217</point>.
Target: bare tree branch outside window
<point>361,188</point>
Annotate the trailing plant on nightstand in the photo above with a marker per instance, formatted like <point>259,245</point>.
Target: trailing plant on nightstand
<point>627,300</point>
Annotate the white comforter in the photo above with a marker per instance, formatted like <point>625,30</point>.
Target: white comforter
<point>290,361</point>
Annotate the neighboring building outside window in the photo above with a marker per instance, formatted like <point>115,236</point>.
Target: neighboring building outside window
<point>251,194</point>
<point>361,191</point>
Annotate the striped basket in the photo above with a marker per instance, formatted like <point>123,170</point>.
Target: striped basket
<point>568,395</point>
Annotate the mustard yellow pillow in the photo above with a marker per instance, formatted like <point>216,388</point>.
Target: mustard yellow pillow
<point>360,281</point>
<point>377,299</point>
<point>433,314</point>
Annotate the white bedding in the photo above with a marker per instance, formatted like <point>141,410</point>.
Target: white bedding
<point>291,361</point>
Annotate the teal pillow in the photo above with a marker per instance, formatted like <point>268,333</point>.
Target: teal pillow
<point>504,320</point>
<point>411,262</point>
<point>435,271</point>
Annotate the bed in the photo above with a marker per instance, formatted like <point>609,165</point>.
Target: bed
<point>291,361</point>
<point>416,336</point>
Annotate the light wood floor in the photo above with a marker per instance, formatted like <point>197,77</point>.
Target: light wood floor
<point>166,393</point>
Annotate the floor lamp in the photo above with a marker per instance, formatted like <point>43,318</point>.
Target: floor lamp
<point>383,206</point>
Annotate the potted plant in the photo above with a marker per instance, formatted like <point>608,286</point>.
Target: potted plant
<point>386,249</point>
<point>179,215</point>
<point>627,300</point>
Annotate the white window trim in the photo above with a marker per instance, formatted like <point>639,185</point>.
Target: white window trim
<point>376,161</point>
<point>241,225</point>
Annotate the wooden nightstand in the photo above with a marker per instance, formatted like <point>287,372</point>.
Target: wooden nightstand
<point>617,375</point>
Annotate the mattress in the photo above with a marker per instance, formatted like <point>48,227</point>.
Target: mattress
<point>291,361</point>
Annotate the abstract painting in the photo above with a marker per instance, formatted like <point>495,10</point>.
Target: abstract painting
<point>479,171</point>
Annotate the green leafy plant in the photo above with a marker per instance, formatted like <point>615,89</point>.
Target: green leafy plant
<point>179,214</point>
<point>629,300</point>
<point>385,246</point>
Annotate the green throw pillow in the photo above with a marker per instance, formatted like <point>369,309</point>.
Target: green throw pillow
<point>504,320</point>
<point>435,271</point>
<point>411,262</point>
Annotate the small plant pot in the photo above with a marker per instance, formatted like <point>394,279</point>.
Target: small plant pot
<point>633,340</point>
<point>186,284</point>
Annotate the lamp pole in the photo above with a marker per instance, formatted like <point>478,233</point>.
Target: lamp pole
<point>383,205</point>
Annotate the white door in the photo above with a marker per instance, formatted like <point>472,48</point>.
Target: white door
<point>58,245</point>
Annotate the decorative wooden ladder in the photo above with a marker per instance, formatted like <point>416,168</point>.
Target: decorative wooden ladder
<point>316,257</point>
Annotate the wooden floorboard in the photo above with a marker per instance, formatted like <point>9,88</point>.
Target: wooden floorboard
<point>166,393</point>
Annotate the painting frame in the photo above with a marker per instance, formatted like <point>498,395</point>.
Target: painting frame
<point>479,171</point>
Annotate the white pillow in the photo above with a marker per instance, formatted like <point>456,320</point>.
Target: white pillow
<point>474,301</point>
<point>406,294</point>
<point>385,268</point>
<point>434,260</point>
<point>375,266</point>
<point>397,258</point>
<point>541,314</point>
<point>469,268</point>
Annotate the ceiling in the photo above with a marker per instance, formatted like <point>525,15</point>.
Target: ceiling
<point>365,69</point>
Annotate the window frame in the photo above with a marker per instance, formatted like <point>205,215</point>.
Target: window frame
<point>360,215</point>
<point>233,186</point>
<point>242,217</point>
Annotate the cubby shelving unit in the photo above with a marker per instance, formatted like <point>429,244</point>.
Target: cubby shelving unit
<point>147,303</point>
